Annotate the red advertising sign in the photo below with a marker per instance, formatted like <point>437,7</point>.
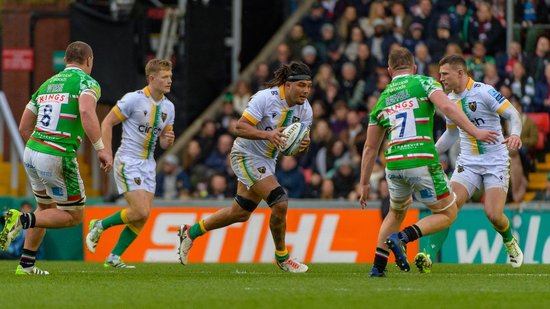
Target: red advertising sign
<point>17,59</point>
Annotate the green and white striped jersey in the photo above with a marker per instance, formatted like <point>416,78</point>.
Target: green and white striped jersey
<point>58,130</point>
<point>406,112</point>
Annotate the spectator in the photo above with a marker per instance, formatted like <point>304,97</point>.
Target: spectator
<point>401,20</point>
<point>542,92</point>
<point>313,188</point>
<point>487,30</point>
<point>328,39</point>
<point>327,189</point>
<point>506,61</point>
<point>438,44</point>
<point>320,110</point>
<point>321,136</point>
<point>325,161</point>
<point>338,117</point>
<point>422,59</point>
<point>365,62</point>
<point>296,41</point>
<point>477,61</point>
<point>352,88</point>
<point>241,96</point>
<point>336,58</point>
<point>529,137</point>
<point>290,177</point>
<point>384,197</point>
<point>217,159</point>
<point>224,117</point>
<point>313,22</point>
<point>459,17</point>
<point>352,46</point>
<point>424,15</point>
<point>414,37</point>
<point>344,178</point>
<point>206,139</point>
<point>309,57</point>
<point>523,87</point>
<point>528,13</point>
<point>217,187</point>
<point>490,75</point>
<point>376,11</point>
<point>172,181</point>
<point>544,195</point>
<point>453,49</point>
<point>282,56</point>
<point>190,162</point>
<point>537,61</point>
<point>346,22</point>
<point>260,77</point>
<point>380,41</point>
<point>353,129</point>
<point>324,76</point>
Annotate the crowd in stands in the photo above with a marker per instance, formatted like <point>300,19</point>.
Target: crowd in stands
<point>346,44</point>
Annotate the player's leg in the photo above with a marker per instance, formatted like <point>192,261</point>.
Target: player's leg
<point>135,217</point>
<point>496,187</point>
<point>241,208</point>
<point>33,239</point>
<point>436,240</point>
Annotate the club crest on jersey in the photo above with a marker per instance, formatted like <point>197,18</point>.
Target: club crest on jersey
<point>137,181</point>
<point>472,106</point>
<point>261,170</point>
<point>273,115</point>
<point>144,113</point>
<point>460,168</point>
<point>163,116</point>
<point>295,119</point>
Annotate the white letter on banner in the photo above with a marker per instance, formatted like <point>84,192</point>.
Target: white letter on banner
<point>531,240</point>
<point>299,240</point>
<point>251,238</point>
<point>216,241</point>
<point>546,252</point>
<point>161,236</point>
<point>322,252</point>
<point>479,244</point>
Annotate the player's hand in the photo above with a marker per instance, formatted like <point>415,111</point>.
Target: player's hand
<point>276,136</point>
<point>167,139</point>
<point>105,160</point>
<point>305,143</point>
<point>513,142</point>
<point>365,189</point>
<point>487,136</point>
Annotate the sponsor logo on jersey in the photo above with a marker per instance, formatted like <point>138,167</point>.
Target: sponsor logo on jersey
<point>495,94</point>
<point>137,180</point>
<point>472,106</point>
<point>53,97</point>
<point>57,191</point>
<point>401,106</point>
<point>426,193</point>
<point>146,129</point>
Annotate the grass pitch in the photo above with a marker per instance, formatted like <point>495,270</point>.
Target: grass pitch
<point>90,285</point>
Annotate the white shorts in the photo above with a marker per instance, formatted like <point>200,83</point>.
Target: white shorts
<point>134,174</point>
<point>250,169</point>
<point>58,176</point>
<point>428,184</point>
<point>472,175</point>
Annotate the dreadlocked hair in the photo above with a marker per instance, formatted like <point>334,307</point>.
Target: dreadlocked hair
<point>286,70</point>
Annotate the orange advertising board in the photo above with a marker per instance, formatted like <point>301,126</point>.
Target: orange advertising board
<point>313,235</point>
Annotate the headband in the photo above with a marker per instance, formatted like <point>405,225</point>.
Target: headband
<point>294,78</point>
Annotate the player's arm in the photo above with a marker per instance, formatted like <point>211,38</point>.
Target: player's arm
<point>167,137</point>
<point>113,118</point>
<point>510,113</point>
<point>448,139</point>
<point>453,112</point>
<point>246,128</point>
<point>375,136</point>
<point>87,105</point>
<point>28,122</point>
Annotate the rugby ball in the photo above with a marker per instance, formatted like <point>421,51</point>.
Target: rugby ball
<point>294,134</point>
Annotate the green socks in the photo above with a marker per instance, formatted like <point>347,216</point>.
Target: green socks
<point>435,242</point>
<point>197,230</point>
<point>506,233</point>
<point>124,241</point>
<point>281,255</point>
<point>117,218</point>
